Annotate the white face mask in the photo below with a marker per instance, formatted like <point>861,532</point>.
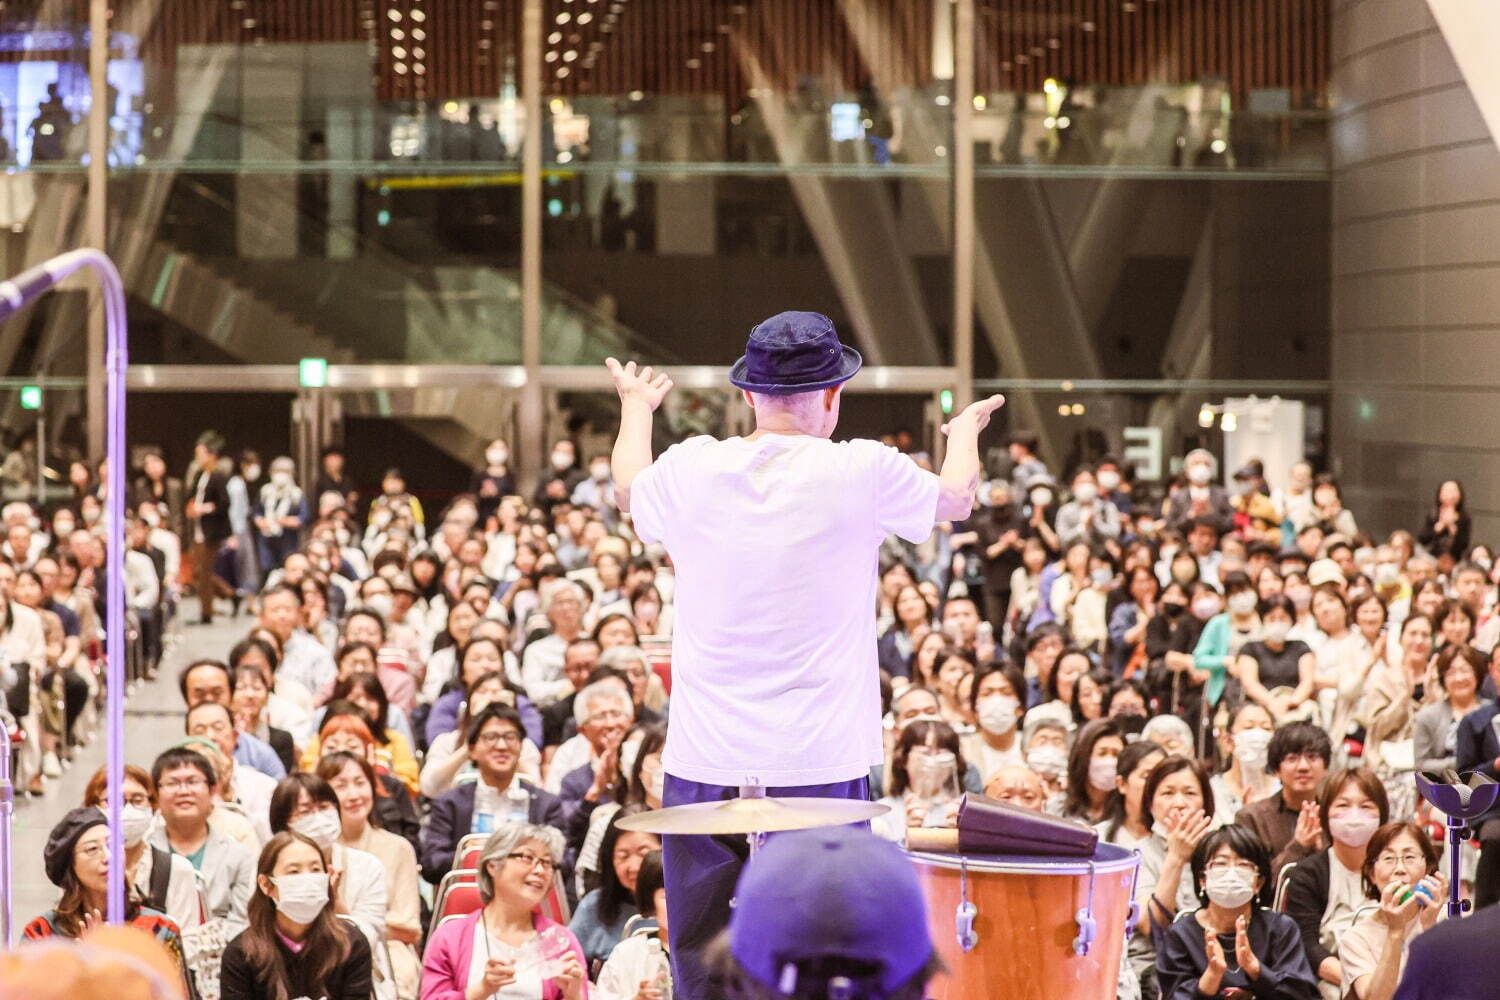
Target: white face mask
<point>496,456</point>
<point>561,461</point>
<point>381,604</point>
<point>1198,474</point>
<point>252,473</point>
<point>322,828</point>
<point>1387,574</point>
<point>997,714</point>
<point>1102,771</point>
<point>281,478</point>
<point>932,773</point>
<point>134,822</point>
<point>1101,576</point>
<point>1048,761</point>
<point>1276,631</point>
<point>301,897</point>
<point>1109,480</point>
<point>1205,607</point>
<point>1230,888</point>
<point>1041,498</point>
<point>1301,599</point>
<point>600,471</point>
<point>1353,829</point>
<point>1242,602</point>
<point>1085,492</point>
<point>1250,746</point>
<point>655,780</point>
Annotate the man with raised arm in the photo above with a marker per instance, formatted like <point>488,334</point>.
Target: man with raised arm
<point>774,538</point>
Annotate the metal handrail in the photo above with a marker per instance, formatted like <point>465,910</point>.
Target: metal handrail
<point>7,813</point>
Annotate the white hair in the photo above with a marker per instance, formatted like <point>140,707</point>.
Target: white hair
<point>1167,725</point>
<point>549,594</point>
<point>505,840</point>
<point>608,689</point>
<point>620,657</point>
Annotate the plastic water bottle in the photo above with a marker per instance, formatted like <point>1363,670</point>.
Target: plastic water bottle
<point>663,979</point>
<point>484,822</point>
<point>517,804</point>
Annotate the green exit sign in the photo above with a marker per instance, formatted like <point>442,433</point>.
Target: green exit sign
<point>312,373</point>
<point>31,397</point>
<point>945,400</point>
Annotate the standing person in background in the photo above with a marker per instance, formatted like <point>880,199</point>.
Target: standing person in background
<point>1445,535</point>
<point>242,488</point>
<point>155,485</point>
<point>280,514</point>
<point>208,520</point>
<point>333,479</point>
<point>493,480</point>
<point>782,526</point>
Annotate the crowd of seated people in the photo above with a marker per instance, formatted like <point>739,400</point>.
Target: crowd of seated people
<point>404,776</point>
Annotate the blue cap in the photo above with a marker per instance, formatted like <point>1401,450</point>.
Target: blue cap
<point>838,892</point>
<point>794,352</point>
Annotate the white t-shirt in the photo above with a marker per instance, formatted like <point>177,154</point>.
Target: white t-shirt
<point>775,543</point>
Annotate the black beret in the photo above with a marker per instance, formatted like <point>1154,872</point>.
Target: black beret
<point>58,855</point>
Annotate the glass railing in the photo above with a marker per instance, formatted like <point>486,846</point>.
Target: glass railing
<point>1136,131</point>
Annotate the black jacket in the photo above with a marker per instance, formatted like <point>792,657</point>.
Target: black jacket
<point>1455,960</point>
<point>281,741</point>
<point>1307,888</point>
<point>350,979</point>
<point>452,816</point>
<point>1476,748</point>
<point>215,524</point>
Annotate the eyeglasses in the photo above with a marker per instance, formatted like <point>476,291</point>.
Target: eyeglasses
<point>492,739</point>
<point>608,715</point>
<point>1303,758</point>
<point>1224,865</point>
<point>530,861</point>
<point>1408,861</point>
<point>138,800</point>
<point>185,784</point>
<point>88,852</point>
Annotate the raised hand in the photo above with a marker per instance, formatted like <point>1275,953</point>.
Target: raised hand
<point>1248,963</point>
<point>1309,832</point>
<point>645,385</point>
<point>978,413</point>
<point>1184,832</point>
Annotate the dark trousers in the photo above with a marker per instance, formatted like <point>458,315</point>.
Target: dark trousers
<point>701,874</point>
<point>1487,872</point>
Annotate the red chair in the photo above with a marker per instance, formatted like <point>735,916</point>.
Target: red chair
<point>457,899</point>
<point>554,905</point>
<point>467,856</point>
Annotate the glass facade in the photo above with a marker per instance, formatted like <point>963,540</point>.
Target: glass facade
<point>344,179</point>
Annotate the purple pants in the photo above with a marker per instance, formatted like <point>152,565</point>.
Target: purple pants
<point>701,873</point>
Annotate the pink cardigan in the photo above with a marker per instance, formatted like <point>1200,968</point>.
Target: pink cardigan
<point>450,949</point>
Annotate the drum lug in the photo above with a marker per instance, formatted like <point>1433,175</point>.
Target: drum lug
<point>968,938</point>
<point>1085,919</point>
<point>963,917</point>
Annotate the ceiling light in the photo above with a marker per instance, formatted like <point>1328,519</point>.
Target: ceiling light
<point>418,34</point>
<point>562,71</point>
<point>570,55</point>
<point>398,52</point>
<point>397,34</point>
<point>417,15</point>
<point>564,17</point>
<point>585,17</point>
<point>393,14</point>
<point>694,63</point>
<point>554,38</point>
<point>551,56</point>
<point>418,53</point>
<point>399,67</point>
<point>637,95</point>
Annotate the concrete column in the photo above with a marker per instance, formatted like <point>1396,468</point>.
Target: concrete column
<point>531,422</point>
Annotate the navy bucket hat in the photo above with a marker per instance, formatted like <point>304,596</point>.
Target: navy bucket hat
<point>794,352</point>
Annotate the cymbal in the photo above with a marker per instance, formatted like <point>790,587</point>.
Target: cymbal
<point>753,815</point>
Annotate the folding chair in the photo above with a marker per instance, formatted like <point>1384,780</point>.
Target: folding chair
<point>1279,901</point>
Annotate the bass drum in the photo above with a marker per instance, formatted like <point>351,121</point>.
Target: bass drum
<point>1028,928</point>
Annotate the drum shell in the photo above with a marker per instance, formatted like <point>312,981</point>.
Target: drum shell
<point>1026,924</point>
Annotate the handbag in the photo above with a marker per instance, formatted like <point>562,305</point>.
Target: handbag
<point>18,698</point>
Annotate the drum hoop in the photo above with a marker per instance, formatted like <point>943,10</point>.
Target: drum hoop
<point>1063,867</point>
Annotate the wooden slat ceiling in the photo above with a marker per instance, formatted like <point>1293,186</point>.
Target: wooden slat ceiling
<point>440,49</point>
